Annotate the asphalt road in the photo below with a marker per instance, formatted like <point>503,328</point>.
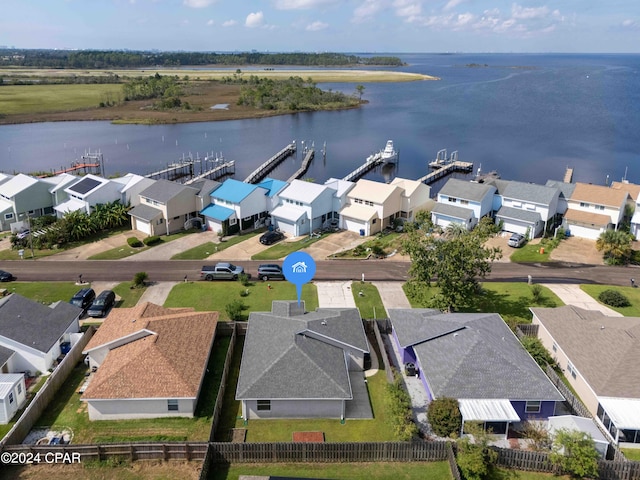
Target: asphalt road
<point>374,270</point>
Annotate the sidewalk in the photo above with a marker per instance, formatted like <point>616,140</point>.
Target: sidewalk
<point>572,294</point>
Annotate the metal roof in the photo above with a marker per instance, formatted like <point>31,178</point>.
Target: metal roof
<point>285,212</point>
<point>624,412</point>
<point>7,381</point>
<point>581,424</point>
<point>272,186</point>
<point>217,212</point>
<point>234,191</point>
<point>305,192</point>
<point>487,410</point>
<point>70,205</point>
<point>17,184</point>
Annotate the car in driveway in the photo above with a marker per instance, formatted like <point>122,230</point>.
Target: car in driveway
<point>516,240</point>
<point>83,298</point>
<point>102,304</point>
<point>270,238</point>
<point>270,271</point>
<point>5,276</point>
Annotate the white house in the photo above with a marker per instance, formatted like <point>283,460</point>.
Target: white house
<point>634,193</point>
<point>23,196</point>
<point>304,207</point>
<point>150,361</point>
<point>341,189</point>
<point>88,192</point>
<point>415,197</point>
<point>35,332</point>
<point>462,202</point>
<point>273,188</point>
<point>13,395</point>
<point>372,207</point>
<point>592,209</point>
<point>131,185</point>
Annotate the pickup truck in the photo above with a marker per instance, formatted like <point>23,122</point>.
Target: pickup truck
<point>221,271</point>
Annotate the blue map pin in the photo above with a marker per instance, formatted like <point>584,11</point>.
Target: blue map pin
<point>299,268</point>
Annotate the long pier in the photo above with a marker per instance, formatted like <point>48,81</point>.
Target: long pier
<point>303,167</point>
<point>447,169</point>
<point>219,171</point>
<point>90,162</point>
<point>372,162</point>
<point>175,171</point>
<point>264,169</point>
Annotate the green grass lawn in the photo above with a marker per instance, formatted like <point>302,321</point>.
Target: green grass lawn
<point>125,250</point>
<point>282,249</point>
<point>339,471</point>
<point>44,292</point>
<point>632,453</point>
<point>369,304</point>
<point>128,296</point>
<point>510,300</point>
<point>388,242</point>
<point>530,253</point>
<point>214,296</point>
<point>67,410</point>
<point>633,294</point>
<point>209,248</point>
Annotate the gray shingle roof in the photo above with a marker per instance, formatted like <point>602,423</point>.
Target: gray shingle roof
<point>467,190</point>
<point>5,354</point>
<point>476,357</point>
<point>163,190</point>
<point>145,212</point>
<point>205,186</point>
<point>566,189</point>
<point>518,214</point>
<point>296,356</point>
<point>530,192</point>
<point>452,211</point>
<point>33,324</point>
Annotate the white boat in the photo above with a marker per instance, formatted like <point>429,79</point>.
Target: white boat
<point>389,155</point>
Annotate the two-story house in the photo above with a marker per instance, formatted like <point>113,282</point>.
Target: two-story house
<point>372,207</point>
<point>634,193</point>
<point>304,207</point>
<point>415,197</point>
<point>341,189</point>
<point>462,202</point>
<point>23,196</point>
<point>88,192</point>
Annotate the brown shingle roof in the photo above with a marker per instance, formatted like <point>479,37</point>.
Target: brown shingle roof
<point>598,194</point>
<point>632,188</point>
<point>168,363</point>
<point>604,350</point>
<point>587,218</point>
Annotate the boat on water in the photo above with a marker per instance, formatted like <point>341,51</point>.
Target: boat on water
<point>389,154</point>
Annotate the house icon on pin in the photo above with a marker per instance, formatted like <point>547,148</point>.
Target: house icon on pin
<point>299,267</point>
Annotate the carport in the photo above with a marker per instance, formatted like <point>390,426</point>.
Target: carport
<point>494,414</point>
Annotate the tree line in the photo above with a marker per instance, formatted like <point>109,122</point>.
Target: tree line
<point>102,59</point>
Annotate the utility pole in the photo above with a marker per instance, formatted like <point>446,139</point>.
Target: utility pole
<point>33,256</point>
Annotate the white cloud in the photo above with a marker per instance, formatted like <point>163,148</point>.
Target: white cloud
<point>407,8</point>
<point>367,10</point>
<point>630,24</point>
<point>210,22</point>
<point>529,13</point>
<point>198,3</point>
<point>302,4</point>
<point>316,26</point>
<point>254,20</point>
<point>452,4</point>
<point>229,23</point>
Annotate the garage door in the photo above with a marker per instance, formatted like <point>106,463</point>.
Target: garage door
<point>144,227</point>
<point>285,227</point>
<point>513,226</point>
<point>354,225</point>
<point>584,232</point>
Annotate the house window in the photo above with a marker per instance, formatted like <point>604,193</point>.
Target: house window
<point>555,347</point>
<point>176,218</point>
<point>571,369</point>
<point>19,389</point>
<point>10,397</point>
<point>374,221</point>
<point>172,405</point>
<point>585,204</point>
<point>452,199</point>
<point>160,221</point>
<point>464,202</point>
<point>532,406</point>
<point>600,207</point>
<point>8,216</point>
<point>233,221</point>
<point>264,405</point>
<point>48,210</point>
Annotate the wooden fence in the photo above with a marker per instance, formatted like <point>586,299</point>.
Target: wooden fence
<point>453,465</point>
<point>383,351</point>
<point>217,409</point>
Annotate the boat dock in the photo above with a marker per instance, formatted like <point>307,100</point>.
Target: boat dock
<point>304,166</point>
<point>388,155</point>
<point>443,159</point>
<point>222,169</point>
<point>445,170</point>
<point>90,162</point>
<point>185,171</point>
<point>264,169</point>
<point>176,171</point>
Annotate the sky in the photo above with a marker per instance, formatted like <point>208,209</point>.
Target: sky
<point>376,26</point>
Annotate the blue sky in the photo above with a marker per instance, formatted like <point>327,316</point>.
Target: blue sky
<point>325,25</point>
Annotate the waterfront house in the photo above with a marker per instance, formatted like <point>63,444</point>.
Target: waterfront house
<point>273,188</point>
<point>304,207</point>
<point>372,207</point>
<point>475,358</point>
<point>341,189</point>
<point>600,357</point>
<point>415,197</point>
<point>634,193</point>
<point>88,192</point>
<point>525,208</point>
<point>165,207</point>
<point>149,362</point>
<point>566,190</point>
<point>23,196</point>
<point>235,206</point>
<point>462,202</point>
<point>592,209</point>
<point>298,364</point>
<point>35,335</point>
<point>13,395</point>
<point>131,185</point>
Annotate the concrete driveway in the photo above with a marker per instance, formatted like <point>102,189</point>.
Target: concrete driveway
<point>334,243</point>
<point>240,251</point>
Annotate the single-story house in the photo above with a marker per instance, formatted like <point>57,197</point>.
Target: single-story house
<point>475,358</point>
<point>150,362</point>
<point>35,332</point>
<point>13,395</point>
<point>298,364</point>
<point>600,356</point>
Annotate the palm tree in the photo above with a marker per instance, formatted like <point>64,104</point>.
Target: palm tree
<point>360,90</point>
<point>615,246</point>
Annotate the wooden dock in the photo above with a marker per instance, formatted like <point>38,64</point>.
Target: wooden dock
<point>371,163</point>
<point>90,162</point>
<point>215,173</point>
<point>264,169</point>
<point>175,171</point>
<point>303,167</point>
<point>568,175</point>
<point>446,170</point>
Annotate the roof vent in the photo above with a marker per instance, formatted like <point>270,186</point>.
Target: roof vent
<point>323,322</point>
<point>456,334</point>
<point>601,327</point>
<point>133,321</point>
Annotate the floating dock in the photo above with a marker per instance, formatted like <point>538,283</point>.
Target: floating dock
<point>304,166</point>
<point>443,159</point>
<point>445,170</point>
<point>264,169</point>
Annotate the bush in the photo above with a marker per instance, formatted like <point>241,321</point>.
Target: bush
<point>134,242</point>
<point>614,298</point>
<point>540,354</point>
<point>244,293</point>
<point>152,240</point>
<point>445,417</point>
<point>139,279</point>
<point>400,412</point>
<point>234,309</point>
<point>243,278</point>
<point>536,292</point>
<point>575,453</point>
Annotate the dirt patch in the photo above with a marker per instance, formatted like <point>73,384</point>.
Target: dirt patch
<point>500,241</point>
<point>577,250</point>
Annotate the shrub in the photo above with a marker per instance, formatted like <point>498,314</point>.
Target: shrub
<point>139,279</point>
<point>234,309</point>
<point>399,408</point>
<point>614,298</point>
<point>244,293</point>
<point>476,459</point>
<point>243,278</point>
<point>540,354</point>
<point>575,453</point>
<point>377,250</point>
<point>134,242</point>
<point>152,240</point>
<point>536,292</point>
<point>445,417</point>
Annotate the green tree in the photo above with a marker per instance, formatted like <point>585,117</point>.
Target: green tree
<point>360,90</point>
<point>455,264</point>
<point>535,348</point>
<point>615,246</point>
<point>445,417</point>
<point>575,453</point>
<point>234,309</point>
<point>475,458</point>
<point>139,279</point>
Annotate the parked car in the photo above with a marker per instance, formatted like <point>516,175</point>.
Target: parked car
<point>102,304</point>
<point>222,271</point>
<point>270,271</point>
<point>516,240</point>
<point>270,238</point>
<point>83,298</point>
<point>5,276</point>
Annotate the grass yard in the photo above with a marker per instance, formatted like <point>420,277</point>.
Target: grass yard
<point>44,292</point>
<point>633,294</point>
<point>216,295</point>
<point>126,250</point>
<point>67,410</point>
<point>387,243</point>
<point>510,300</point>
<point>632,453</point>
<point>339,471</point>
<point>531,253</point>
<point>16,99</point>
<point>369,304</point>
<point>206,249</point>
<point>128,296</point>
<point>284,248</point>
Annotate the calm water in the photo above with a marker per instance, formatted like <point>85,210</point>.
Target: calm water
<point>526,116</point>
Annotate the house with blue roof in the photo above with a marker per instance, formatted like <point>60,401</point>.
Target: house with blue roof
<point>236,206</point>
<point>274,188</point>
